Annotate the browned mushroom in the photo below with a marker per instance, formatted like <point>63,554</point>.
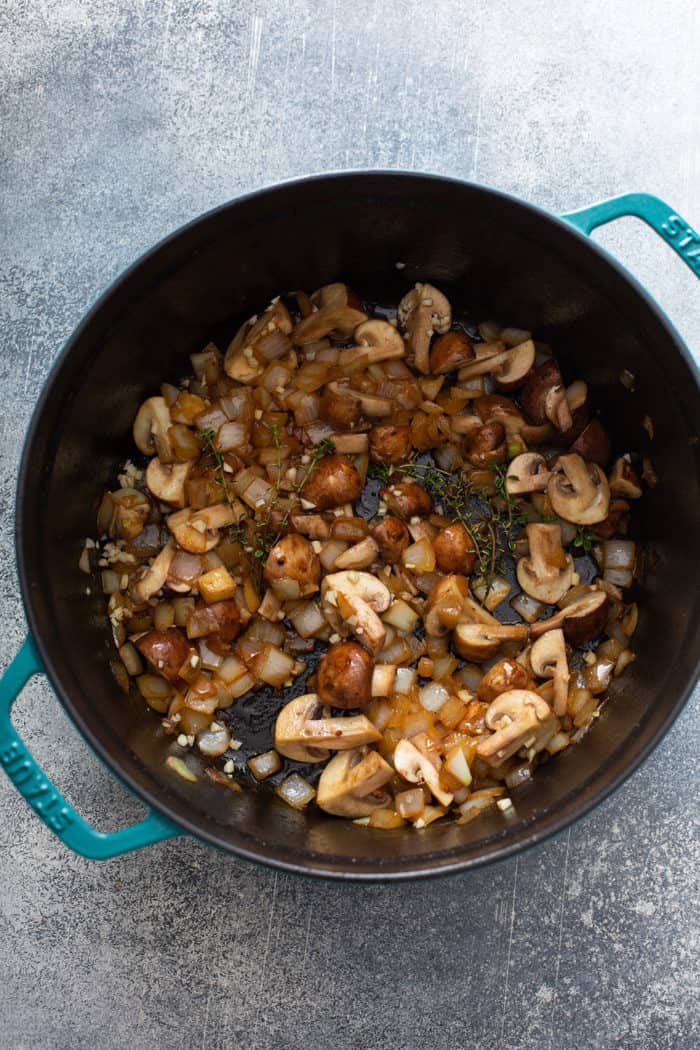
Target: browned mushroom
<point>527,473</point>
<point>338,314</point>
<point>166,651</point>
<point>519,718</point>
<point>593,444</point>
<point>344,676</point>
<point>292,568</point>
<point>544,397</point>
<point>494,408</point>
<point>339,408</point>
<point>303,734</point>
<point>166,481</point>
<point>455,550</point>
<point>378,341</point>
<point>504,675</point>
<point>422,311</point>
<point>151,428</point>
<point>546,572</point>
<point>486,445</point>
<point>548,660</point>
<point>390,444</point>
<point>578,492</point>
<point>351,784</point>
<point>408,499</point>
<point>335,481</point>
<point>450,351</point>
<point>480,641</point>
<point>624,480</point>
<point>582,621</point>
<point>518,366</point>
<point>392,538</point>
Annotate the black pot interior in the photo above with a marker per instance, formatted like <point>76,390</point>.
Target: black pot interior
<point>495,257</point>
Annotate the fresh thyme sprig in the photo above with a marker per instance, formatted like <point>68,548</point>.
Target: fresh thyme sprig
<point>584,539</point>
<point>258,537</point>
<point>491,528</point>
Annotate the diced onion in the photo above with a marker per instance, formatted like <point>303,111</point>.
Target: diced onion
<point>432,696</point>
<point>264,765</point>
<point>419,557</point>
<point>456,763</point>
<point>490,592</point>
<point>530,609</point>
<point>272,666</point>
<point>214,741</point>
<point>111,581</point>
<point>406,678</point>
<point>383,678</point>
<point>295,791</point>
<point>410,804</point>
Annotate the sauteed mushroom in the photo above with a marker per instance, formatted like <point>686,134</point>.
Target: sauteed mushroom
<point>254,547</point>
<point>546,572</point>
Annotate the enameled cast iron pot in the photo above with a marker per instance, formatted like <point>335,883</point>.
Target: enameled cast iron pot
<point>495,256</point>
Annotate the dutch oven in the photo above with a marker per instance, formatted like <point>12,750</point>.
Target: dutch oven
<point>495,256</point>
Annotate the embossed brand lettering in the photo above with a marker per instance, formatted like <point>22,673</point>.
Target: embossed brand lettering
<point>689,244</point>
<point>23,771</point>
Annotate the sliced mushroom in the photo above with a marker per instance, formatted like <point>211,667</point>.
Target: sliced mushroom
<point>519,718</point>
<point>527,473</point>
<point>311,525</point>
<point>544,397</point>
<point>582,621</point>
<point>546,572</point>
<point>379,341</point>
<point>455,550</point>
<point>351,600</point>
<point>350,785</point>
<point>548,660</point>
<point>151,429</point>
<point>338,314</point>
<point>335,481</point>
<point>504,675</point>
<point>302,734</point>
<point>517,367</point>
<point>390,444</point>
<point>391,537</point>
<point>624,480</point>
<point>344,676</point>
<point>422,311</point>
<point>359,556</point>
<point>495,408</point>
<point>450,352</point>
<point>197,531</point>
<point>593,444</point>
<point>417,768</point>
<point>445,604</point>
<point>156,574</point>
<point>408,499</point>
<point>166,481</point>
<point>292,569</point>
<point>578,492</point>
<point>509,367</point>
<point>480,641</point>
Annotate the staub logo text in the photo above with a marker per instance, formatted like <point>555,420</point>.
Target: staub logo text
<point>26,775</point>
<point>684,239</point>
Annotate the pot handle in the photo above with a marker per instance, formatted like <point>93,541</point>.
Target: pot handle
<point>43,797</point>
<point>654,212</point>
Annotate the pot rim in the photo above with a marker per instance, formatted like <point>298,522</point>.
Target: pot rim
<point>499,847</point>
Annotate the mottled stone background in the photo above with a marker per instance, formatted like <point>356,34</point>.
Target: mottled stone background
<point>121,120</point>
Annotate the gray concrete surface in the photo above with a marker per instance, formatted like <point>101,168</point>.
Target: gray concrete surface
<point>122,120</point>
